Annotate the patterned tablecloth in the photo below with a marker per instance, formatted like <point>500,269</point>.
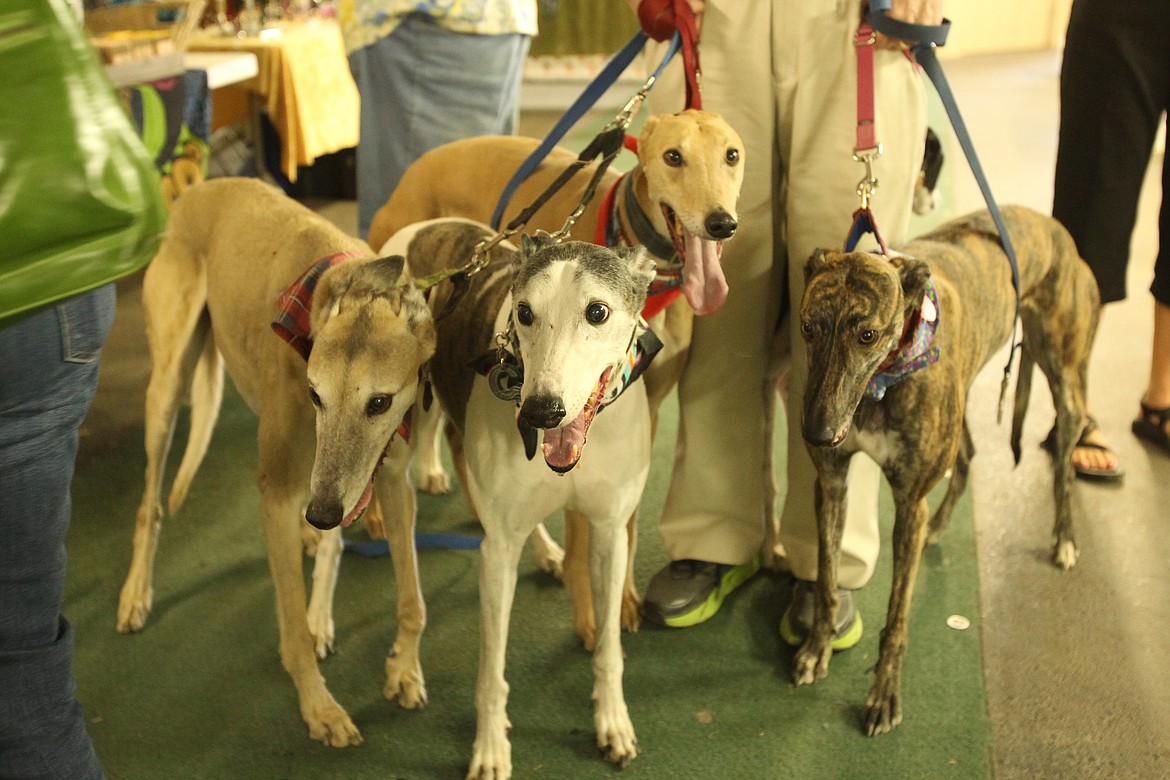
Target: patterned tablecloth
<point>304,83</point>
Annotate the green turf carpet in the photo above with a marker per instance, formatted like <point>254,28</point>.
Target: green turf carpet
<point>200,693</point>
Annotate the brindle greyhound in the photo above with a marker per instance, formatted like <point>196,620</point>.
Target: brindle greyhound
<point>867,320</point>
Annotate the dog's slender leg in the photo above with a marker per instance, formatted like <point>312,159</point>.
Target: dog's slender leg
<point>631,601</point>
<point>1064,361</point>
<point>608,554</point>
<point>176,335</point>
<point>325,567</point>
<point>883,705</point>
<point>955,488</point>
<point>404,675</point>
<point>491,754</point>
<point>548,553</point>
<point>455,443</point>
<point>206,399</point>
<point>432,476</point>
<point>283,482</point>
<point>577,577</point>
<point>1071,417</point>
<point>811,662</point>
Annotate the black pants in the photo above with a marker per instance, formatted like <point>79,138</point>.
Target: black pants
<point>1114,88</point>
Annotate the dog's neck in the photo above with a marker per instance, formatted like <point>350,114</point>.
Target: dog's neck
<point>637,218</point>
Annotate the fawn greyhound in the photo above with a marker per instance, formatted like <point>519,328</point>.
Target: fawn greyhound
<point>893,346</point>
<point>232,247</point>
<point>679,201</point>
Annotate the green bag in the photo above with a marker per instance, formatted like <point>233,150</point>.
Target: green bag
<point>80,202</point>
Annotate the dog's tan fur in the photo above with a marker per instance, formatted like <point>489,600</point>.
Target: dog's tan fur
<point>466,179</point>
<point>852,315</point>
<point>209,297</point>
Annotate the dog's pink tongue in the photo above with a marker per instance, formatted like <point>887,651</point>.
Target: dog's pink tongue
<point>362,503</point>
<point>704,285</point>
<point>562,446</point>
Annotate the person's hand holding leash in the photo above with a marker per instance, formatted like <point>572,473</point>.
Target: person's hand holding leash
<point>657,16</point>
<point>927,12</point>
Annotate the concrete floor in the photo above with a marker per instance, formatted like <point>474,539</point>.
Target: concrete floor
<point>1075,661</point>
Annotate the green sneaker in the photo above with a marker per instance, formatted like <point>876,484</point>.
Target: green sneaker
<point>798,617</point>
<point>688,592</point>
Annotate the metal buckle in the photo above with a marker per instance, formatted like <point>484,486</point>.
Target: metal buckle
<point>869,183</point>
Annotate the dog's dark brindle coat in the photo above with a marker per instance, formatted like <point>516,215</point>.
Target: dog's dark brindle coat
<point>852,316</point>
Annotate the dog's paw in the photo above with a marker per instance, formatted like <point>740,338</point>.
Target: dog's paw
<point>811,662</point>
<point>405,684</point>
<point>437,483</point>
<point>631,611</point>
<point>615,735</point>
<point>491,756</point>
<point>133,610</point>
<point>883,707</point>
<point>323,634</point>
<point>588,634</point>
<point>1064,555</point>
<point>331,724</point>
<point>552,561</point>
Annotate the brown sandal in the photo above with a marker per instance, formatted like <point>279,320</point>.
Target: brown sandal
<point>1151,426</point>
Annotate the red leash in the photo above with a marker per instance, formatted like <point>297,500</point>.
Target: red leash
<point>660,19</point>
<point>866,148</point>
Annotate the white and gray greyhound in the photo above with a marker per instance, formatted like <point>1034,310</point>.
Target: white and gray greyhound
<point>556,333</point>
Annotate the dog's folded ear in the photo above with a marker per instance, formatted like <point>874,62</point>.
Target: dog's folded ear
<point>914,273</point>
<point>815,261</point>
<point>384,277</point>
<point>641,264</point>
<point>531,244</point>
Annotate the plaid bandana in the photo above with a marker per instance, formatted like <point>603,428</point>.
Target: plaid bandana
<point>914,352</point>
<point>294,307</point>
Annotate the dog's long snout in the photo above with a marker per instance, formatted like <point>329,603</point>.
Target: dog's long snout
<point>542,411</point>
<point>324,514</point>
<point>720,224</point>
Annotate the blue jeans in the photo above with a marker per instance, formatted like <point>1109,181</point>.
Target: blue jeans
<point>48,377</point>
<point>423,86</point>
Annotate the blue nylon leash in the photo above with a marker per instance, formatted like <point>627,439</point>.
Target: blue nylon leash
<point>378,548</point>
<point>925,39</point>
<point>592,93</point>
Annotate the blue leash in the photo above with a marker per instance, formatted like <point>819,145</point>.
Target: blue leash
<point>603,81</point>
<point>925,39</point>
<point>378,548</point>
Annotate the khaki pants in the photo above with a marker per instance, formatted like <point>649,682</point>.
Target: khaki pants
<point>784,74</point>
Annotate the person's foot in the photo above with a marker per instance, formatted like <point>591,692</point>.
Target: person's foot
<point>1092,457</point>
<point>688,592</point>
<point>798,618</point>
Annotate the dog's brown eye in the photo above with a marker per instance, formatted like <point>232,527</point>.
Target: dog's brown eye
<point>732,156</point>
<point>316,399</point>
<point>806,328</point>
<point>524,314</point>
<point>378,404</point>
<point>867,337</point>
<point>597,313</point>
<point>672,157</point>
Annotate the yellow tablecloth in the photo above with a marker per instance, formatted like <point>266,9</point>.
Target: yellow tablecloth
<point>306,86</point>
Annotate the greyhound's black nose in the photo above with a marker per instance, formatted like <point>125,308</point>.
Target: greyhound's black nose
<point>324,515</point>
<point>720,224</point>
<point>542,411</point>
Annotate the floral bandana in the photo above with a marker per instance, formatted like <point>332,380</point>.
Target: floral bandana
<point>916,349</point>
